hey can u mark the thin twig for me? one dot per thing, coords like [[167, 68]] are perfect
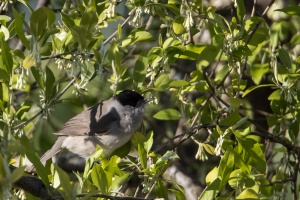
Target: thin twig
[[253, 8], [21, 125]]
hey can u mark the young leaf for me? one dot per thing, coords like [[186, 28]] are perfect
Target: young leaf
[[149, 141], [258, 71], [178, 83], [177, 26], [99, 179], [248, 194], [226, 167], [6, 56], [168, 114], [143, 156], [162, 81], [19, 29], [136, 37], [28, 62], [50, 80], [240, 9], [250, 89]]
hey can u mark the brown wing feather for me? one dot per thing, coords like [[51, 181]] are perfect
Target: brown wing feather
[[95, 120]]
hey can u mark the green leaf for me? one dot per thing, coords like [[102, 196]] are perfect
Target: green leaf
[[4, 76], [235, 178], [88, 23], [177, 25], [64, 182], [276, 95], [179, 194], [137, 138], [250, 89], [19, 28], [178, 83], [248, 194], [285, 58], [149, 141], [38, 78], [251, 23], [136, 37], [22, 112], [240, 163], [260, 35], [123, 150], [161, 190], [192, 51], [211, 191], [231, 119], [235, 102], [162, 81], [17, 173], [290, 10], [99, 179], [35, 160], [112, 166], [40, 20], [253, 150], [50, 80], [209, 149], [207, 56], [258, 71], [169, 155], [140, 71], [4, 30], [240, 9], [226, 167], [168, 114], [6, 56], [28, 62], [212, 175], [143, 156]]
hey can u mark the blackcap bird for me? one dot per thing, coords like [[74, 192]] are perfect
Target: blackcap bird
[[109, 124]]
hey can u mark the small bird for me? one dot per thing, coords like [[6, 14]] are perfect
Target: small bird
[[109, 124]]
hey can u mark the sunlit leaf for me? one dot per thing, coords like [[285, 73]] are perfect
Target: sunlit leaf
[[250, 89], [177, 26], [28, 62], [168, 114], [248, 194], [136, 37]]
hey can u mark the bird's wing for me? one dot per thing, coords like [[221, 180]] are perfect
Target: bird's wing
[[95, 120]]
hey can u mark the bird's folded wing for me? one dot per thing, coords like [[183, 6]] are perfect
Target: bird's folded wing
[[94, 120]]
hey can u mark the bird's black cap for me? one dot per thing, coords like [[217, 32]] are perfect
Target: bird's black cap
[[128, 97]]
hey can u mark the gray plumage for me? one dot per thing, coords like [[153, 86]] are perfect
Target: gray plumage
[[109, 124]]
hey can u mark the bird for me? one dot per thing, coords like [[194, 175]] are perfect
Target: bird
[[109, 124]]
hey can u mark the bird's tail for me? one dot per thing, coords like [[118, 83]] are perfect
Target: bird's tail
[[51, 152]]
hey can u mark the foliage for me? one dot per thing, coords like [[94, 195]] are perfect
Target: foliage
[[247, 69]]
